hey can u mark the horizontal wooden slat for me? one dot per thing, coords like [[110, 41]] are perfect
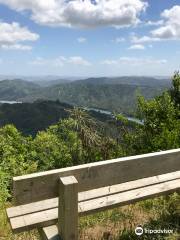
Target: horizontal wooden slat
[[41, 186], [87, 195], [48, 217], [128, 197], [49, 233], [34, 220], [32, 207]]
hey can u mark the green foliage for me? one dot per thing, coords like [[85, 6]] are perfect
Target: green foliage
[[114, 94], [114, 97], [66, 147], [50, 152], [161, 128], [78, 140], [4, 183], [29, 118], [86, 127], [16, 89], [15, 155], [122, 119], [175, 90]]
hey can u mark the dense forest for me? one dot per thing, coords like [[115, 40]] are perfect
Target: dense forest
[[113, 94], [77, 139], [29, 118]]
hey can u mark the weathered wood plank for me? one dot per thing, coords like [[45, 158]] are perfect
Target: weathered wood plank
[[68, 208], [49, 217], [32, 207], [41, 186], [128, 197], [34, 220], [49, 233], [95, 193]]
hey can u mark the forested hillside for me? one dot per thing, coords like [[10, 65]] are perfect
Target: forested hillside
[[12, 90], [29, 118], [120, 97], [134, 80], [113, 94]]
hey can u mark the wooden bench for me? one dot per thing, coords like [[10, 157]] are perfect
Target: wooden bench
[[52, 201]]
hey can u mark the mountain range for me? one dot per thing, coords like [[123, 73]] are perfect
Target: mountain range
[[114, 94]]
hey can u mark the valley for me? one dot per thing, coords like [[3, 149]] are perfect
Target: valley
[[112, 94]]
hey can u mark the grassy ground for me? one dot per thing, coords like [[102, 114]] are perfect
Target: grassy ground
[[120, 223]]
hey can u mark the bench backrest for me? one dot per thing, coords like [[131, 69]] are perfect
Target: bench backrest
[[44, 185]]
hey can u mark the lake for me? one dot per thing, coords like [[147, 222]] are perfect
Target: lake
[[132, 119], [86, 108], [9, 102]]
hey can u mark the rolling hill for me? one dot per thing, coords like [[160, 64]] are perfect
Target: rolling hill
[[30, 118], [134, 80], [13, 90], [113, 94], [113, 97]]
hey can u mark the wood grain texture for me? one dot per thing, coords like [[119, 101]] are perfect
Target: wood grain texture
[[49, 217], [91, 194], [68, 208], [49, 233], [41, 186]]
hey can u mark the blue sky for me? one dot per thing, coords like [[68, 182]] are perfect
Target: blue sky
[[90, 37]]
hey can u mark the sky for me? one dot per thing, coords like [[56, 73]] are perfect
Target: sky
[[89, 37]]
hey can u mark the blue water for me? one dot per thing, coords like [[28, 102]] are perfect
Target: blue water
[[132, 119], [9, 102]]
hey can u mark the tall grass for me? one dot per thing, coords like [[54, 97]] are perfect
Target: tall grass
[[119, 223]]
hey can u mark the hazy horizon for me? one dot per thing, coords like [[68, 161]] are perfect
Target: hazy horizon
[[3, 76]]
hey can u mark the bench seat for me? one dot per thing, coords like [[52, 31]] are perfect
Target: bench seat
[[49, 233], [45, 213]]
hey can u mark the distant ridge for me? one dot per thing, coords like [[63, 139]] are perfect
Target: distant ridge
[[138, 81], [114, 94], [12, 90]]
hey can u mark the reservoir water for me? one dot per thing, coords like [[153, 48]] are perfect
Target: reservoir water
[[132, 119], [9, 102], [86, 108]]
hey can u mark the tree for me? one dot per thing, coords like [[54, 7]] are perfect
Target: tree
[[161, 125], [59, 146], [15, 157], [175, 90], [85, 126]]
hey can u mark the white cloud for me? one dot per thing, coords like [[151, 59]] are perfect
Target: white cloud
[[137, 47], [39, 61], [11, 35], [16, 47], [56, 62], [170, 29], [81, 40], [118, 40], [154, 23], [61, 61], [81, 13], [144, 39], [133, 61], [77, 60], [109, 62]]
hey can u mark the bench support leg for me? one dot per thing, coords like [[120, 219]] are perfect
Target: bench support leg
[[68, 208]]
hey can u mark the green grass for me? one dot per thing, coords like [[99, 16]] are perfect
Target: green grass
[[119, 223]]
